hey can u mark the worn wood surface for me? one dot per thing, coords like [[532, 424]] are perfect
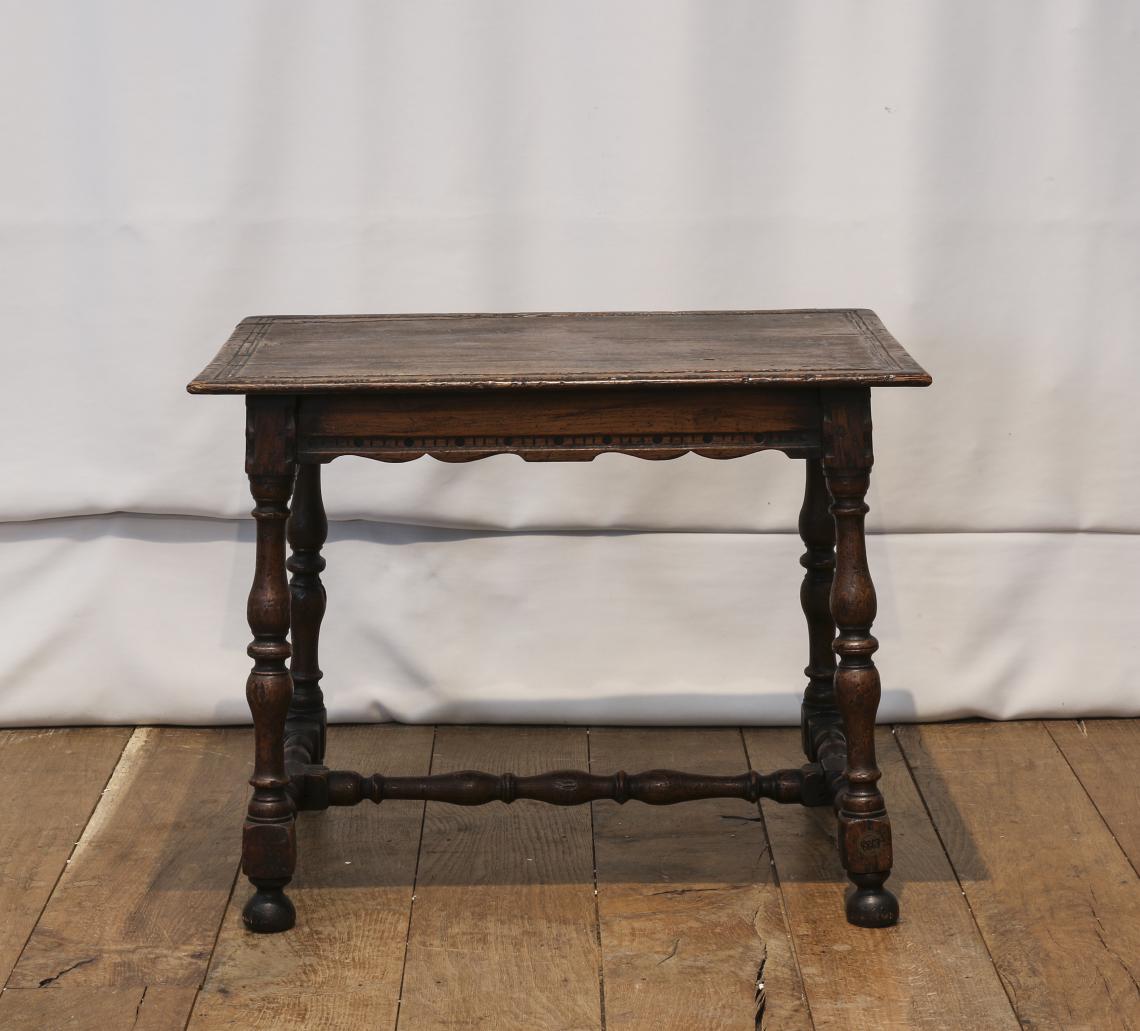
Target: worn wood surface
[[330, 353], [1053, 894], [96, 1009], [514, 943], [141, 900], [692, 928], [63, 771], [345, 958], [1105, 756], [503, 931], [931, 971]]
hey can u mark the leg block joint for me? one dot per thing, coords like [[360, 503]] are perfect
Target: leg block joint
[[269, 851], [865, 843]]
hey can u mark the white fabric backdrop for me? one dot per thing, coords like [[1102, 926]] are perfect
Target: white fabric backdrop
[[967, 169]]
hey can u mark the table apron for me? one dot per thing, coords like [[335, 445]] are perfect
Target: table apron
[[560, 424]]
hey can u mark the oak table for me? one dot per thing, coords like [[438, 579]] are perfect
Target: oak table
[[560, 387]]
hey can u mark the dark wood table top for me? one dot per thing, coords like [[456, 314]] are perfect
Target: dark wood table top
[[288, 354]]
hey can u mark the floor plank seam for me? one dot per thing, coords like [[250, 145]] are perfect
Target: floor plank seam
[[780, 895], [957, 879], [597, 899], [1092, 801], [214, 946], [70, 855], [415, 881]]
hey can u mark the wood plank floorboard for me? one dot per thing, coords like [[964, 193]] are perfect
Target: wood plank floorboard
[[1105, 756], [139, 905], [52, 782], [105, 1009], [931, 971], [1054, 895], [492, 921], [503, 932], [691, 919], [341, 966]]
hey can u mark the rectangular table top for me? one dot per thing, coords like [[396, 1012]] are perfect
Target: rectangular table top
[[285, 354]]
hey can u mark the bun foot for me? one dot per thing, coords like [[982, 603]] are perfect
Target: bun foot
[[870, 904], [268, 912]]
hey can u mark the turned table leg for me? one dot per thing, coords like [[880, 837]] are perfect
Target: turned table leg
[[819, 717], [268, 841], [308, 528], [864, 827]]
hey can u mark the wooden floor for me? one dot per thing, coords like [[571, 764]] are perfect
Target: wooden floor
[[1017, 847]]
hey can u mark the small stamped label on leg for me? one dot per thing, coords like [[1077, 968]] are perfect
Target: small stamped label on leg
[[865, 844]]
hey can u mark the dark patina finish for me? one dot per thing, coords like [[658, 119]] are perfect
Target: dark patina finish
[[560, 387]]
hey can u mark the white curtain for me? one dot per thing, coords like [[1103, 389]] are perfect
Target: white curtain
[[967, 169]]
